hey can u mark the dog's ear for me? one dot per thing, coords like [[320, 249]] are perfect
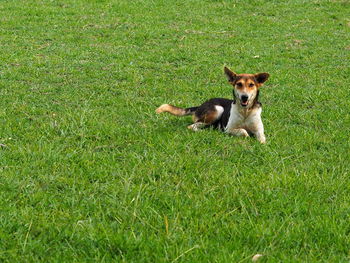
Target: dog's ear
[[261, 77], [231, 76]]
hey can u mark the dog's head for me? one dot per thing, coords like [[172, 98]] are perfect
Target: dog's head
[[246, 86]]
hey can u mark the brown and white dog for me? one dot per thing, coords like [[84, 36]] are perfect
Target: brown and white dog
[[240, 116]]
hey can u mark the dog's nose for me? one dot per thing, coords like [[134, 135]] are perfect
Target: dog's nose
[[244, 98]]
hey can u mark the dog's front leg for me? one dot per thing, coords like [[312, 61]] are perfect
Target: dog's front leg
[[259, 133], [238, 132], [260, 136]]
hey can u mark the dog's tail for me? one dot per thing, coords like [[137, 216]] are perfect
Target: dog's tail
[[176, 110]]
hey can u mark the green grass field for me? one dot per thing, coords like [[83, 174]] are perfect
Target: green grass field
[[89, 172]]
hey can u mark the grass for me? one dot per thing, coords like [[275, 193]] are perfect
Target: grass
[[90, 173]]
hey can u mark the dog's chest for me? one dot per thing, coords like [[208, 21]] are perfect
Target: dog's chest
[[243, 120]]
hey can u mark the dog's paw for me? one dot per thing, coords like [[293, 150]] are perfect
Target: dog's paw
[[195, 126], [238, 132], [243, 133], [262, 140]]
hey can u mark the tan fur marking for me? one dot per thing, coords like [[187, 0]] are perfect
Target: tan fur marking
[[245, 81], [210, 117]]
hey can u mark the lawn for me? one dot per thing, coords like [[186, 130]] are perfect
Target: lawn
[[89, 172]]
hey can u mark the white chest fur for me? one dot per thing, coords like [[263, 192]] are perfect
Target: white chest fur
[[250, 120]]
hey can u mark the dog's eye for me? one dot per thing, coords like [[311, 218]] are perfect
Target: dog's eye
[[251, 85], [239, 84]]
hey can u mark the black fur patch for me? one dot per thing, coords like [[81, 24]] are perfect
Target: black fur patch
[[209, 106]]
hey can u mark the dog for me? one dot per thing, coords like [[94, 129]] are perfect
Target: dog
[[240, 116]]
